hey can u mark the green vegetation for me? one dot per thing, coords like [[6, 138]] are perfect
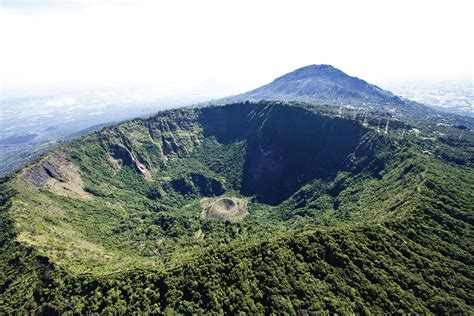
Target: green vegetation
[[339, 218]]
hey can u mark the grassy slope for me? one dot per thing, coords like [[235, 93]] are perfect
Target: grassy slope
[[419, 263]]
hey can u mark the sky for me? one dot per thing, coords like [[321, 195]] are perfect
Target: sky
[[228, 46]]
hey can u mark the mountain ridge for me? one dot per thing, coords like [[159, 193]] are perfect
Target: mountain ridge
[[256, 207], [324, 84]]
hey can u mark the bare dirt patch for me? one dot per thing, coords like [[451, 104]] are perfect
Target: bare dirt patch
[[231, 209], [58, 175]]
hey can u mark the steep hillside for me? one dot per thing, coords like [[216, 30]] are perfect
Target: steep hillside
[[253, 207]]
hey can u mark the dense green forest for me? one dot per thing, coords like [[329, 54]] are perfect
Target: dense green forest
[[336, 216]]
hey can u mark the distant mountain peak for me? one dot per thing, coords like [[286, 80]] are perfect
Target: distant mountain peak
[[315, 70], [318, 68], [321, 83], [322, 70]]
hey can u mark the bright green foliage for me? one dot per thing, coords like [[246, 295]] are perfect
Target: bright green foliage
[[340, 219]]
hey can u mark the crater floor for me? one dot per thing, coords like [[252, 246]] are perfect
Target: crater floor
[[224, 208]]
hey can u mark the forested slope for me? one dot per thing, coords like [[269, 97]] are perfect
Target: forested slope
[[340, 218]]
